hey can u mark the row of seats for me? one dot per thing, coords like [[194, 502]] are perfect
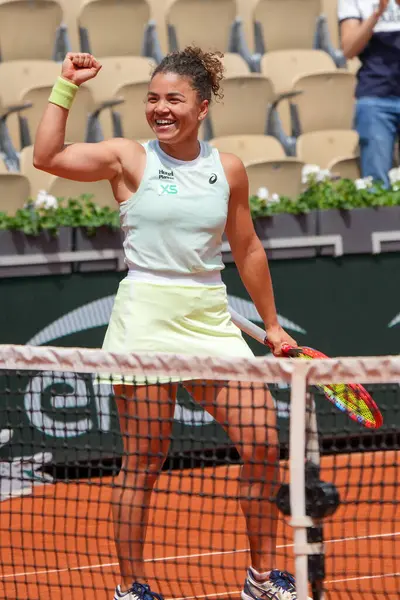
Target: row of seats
[[283, 106], [335, 150], [152, 27]]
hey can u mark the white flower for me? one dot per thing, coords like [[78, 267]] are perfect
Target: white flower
[[363, 184], [274, 198], [394, 175], [45, 200], [323, 175], [263, 193], [308, 172]]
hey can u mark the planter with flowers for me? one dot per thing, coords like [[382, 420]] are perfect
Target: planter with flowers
[[352, 209]]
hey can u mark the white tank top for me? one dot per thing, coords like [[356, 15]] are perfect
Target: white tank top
[[175, 221]]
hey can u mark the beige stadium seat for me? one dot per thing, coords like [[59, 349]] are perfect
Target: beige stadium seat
[[29, 28], [346, 167], [353, 65], [206, 23], [3, 168], [131, 113], [158, 12], [282, 67], [286, 24], [250, 148], [281, 177], [19, 76], [113, 28], [15, 192], [326, 101], [66, 189], [77, 119], [323, 147], [39, 180], [234, 65], [118, 71], [244, 108]]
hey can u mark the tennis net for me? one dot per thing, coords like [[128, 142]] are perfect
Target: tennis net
[[73, 489]]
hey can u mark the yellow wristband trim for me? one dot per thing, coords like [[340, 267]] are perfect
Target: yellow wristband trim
[[63, 93]]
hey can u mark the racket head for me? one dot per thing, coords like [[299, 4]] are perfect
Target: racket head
[[351, 398]]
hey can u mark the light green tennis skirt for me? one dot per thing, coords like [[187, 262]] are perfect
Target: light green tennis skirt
[[174, 318]]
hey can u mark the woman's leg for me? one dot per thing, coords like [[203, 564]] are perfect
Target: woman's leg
[[146, 416], [247, 413]]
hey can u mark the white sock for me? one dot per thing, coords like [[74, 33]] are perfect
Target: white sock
[[260, 576]]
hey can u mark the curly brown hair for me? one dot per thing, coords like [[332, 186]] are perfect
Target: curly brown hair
[[204, 69]]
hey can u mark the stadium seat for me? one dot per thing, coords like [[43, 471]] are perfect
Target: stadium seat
[[129, 119], [234, 65], [123, 28], [330, 9], [31, 29], [323, 147], [292, 24], [250, 148], [282, 67], [245, 9], [244, 108], [118, 71], [286, 24], [206, 23], [281, 177], [15, 192], [326, 101], [101, 190], [39, 180], [3, 168], [158, 12], [346, 168], [71, 10]]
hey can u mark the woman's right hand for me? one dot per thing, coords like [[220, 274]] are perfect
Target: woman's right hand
[[79, 67]]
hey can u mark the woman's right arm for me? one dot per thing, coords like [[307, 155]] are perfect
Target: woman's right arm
[[80, 162], [355, 34]]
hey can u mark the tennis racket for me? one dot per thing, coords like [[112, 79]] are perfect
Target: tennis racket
[[350, 398]]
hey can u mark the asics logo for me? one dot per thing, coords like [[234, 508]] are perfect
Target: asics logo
[[213, 178]]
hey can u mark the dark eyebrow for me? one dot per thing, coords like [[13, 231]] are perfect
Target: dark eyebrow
[[168, 95]]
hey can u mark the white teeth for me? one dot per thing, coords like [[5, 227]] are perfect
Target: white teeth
[[164, 122]]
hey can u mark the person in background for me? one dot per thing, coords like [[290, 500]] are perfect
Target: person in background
[[370, 30]]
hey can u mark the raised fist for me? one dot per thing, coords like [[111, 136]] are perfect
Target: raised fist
[[79, 67]]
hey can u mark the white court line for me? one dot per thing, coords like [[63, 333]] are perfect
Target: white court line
[[182, 556], [237, 592]]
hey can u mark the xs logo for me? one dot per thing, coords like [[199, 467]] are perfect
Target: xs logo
[[167, 188]]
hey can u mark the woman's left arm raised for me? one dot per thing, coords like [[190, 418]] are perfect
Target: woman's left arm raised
[[248, 252]]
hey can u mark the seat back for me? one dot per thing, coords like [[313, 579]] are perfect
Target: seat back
[[28, 28], [287, 24], [115, 27], [205, 23]]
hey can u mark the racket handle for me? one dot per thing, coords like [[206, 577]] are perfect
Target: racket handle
[[248, 327]]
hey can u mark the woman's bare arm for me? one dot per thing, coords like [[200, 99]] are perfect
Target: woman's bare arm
[[248, 252]]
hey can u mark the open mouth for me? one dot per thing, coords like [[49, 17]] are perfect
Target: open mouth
[[164, 124]]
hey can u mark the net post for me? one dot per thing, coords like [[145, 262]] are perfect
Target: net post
[[297, 436]]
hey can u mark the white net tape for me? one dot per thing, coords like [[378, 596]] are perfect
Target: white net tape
[[266, 369]]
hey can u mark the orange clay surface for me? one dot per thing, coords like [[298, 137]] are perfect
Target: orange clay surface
[[58, 542]]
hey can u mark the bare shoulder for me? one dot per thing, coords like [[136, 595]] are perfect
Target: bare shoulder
[[234, 168], [125, 148]]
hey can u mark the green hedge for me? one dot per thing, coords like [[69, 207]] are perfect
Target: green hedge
[[82, 212]]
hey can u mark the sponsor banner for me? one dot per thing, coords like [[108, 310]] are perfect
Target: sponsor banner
[[343, 307]]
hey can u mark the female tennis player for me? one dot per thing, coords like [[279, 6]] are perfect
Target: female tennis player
[[177, 196]]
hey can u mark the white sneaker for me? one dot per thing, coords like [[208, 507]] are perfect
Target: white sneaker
[[279, 586], [138, 591]]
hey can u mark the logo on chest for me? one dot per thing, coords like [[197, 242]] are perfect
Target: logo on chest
[[166, 175], [167, 189]]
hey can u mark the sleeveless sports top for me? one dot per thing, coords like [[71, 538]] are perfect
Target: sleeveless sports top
[[175, 220]]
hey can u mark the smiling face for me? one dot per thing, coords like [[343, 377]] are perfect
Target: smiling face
[[174, 110]]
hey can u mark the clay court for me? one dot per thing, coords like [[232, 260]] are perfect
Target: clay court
[[58, 542]]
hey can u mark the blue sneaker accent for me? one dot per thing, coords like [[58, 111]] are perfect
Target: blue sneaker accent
[[138, 591], [279, 586]]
